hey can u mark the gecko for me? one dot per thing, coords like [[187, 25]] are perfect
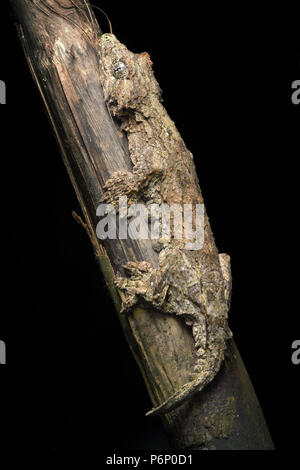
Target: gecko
[[194, 285]]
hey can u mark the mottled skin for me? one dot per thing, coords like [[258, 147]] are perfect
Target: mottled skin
[[162, 166], [194, 285]]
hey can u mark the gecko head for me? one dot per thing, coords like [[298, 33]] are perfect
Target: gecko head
[[128, 80]]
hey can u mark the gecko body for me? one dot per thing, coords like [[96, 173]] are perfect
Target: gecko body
[[194, 285]]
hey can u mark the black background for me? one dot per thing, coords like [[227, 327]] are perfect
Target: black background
[[70, 380]]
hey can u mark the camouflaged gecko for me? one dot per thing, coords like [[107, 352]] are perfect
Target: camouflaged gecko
[[194, 285]]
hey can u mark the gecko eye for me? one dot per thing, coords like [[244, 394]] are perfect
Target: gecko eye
[[120, 70]]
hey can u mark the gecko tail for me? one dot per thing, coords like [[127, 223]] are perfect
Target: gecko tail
[[186, 391], [176, 399]]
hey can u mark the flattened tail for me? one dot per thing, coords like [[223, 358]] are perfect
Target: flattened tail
[[187, 390], [175, 400]]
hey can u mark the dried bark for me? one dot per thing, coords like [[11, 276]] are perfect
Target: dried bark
[[60, 43]]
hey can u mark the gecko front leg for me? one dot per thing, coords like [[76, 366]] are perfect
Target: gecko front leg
[[131, 184], [143, 283], [122, 183]]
